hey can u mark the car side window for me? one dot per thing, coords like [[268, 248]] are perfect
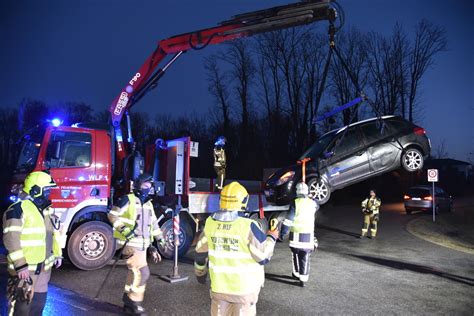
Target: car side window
[[68, 150], [374, 131], [346, 142]]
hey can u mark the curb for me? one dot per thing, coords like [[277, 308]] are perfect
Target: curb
[[441, 233]]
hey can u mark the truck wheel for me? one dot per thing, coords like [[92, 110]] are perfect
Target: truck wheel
[[319, 190], [261, 222], [91, 245], [186, 236]]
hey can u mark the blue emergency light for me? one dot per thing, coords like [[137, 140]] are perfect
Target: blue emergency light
[[56, 122]]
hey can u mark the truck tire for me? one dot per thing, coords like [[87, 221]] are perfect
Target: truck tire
[[186, 236], [262, 222], [91, 245]]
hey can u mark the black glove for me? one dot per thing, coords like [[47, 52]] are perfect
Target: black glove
[[154, 254], [376, 217]]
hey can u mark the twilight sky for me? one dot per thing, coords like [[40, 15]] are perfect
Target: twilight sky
[[87, 50]]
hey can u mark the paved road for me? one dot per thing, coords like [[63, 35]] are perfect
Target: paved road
[[396, 273]]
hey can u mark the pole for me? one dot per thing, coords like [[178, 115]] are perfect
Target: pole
[[175, 277], [434, 203]]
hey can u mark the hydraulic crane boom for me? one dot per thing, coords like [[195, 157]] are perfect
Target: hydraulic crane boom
[[242, 25]]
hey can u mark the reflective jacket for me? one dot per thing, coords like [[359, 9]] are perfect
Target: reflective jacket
[[236, 252], [372, 205], [219, 157], [302, 228], [30, 236], [138, 217]]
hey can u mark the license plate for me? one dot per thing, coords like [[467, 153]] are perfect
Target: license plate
[[416, 199]]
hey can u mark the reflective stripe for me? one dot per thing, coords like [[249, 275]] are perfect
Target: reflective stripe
[[118, 223], [33, 230], [31, 267], [15, 255], [241, 269], [12, 229], [199, 267], [32, 243], [115, 213], [229, 254]]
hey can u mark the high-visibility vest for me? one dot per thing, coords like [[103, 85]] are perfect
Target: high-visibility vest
[[129, 218], [33, 238], [305, 208], [231, 267]]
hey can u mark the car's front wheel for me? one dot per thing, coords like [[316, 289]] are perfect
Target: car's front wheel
[[412, 160], [319, 190]]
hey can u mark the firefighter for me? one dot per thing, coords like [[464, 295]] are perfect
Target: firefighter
[[31, 237], [220, 161], [370, 209], [135, 225], [235, 249], [300, 223]]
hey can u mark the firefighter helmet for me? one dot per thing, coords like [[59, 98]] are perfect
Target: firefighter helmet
[[144, 177], [302, 189], [36, 182], [234, 197], [220, 141]]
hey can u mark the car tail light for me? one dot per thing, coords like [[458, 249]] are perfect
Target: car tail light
[[428, 198], [406, 197], [419, 131]]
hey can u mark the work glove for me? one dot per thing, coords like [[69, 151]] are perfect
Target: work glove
[[58, 262], [274, 232], [155, 255], [127, 232], [376, 217]]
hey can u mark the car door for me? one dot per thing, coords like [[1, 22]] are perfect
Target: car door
[[382, 148], [349, 160]]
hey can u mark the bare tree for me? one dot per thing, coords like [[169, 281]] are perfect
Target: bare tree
[[218, 88], [441, 150], [429, 41]]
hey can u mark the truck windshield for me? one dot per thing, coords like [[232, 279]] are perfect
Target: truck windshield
[[319, 146], [28, 155]]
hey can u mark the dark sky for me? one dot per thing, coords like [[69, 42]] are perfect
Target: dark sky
[[87, 50]]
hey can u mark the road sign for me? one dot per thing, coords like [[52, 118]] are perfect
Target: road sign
[[432, 175]]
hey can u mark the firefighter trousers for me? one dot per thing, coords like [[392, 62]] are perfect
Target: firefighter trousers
[[300, 259], [370, 221], [138, 273], [233, 305], [40, 286], [220, 171]]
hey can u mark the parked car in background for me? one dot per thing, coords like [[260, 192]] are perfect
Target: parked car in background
[[352, 154], [420, 198]]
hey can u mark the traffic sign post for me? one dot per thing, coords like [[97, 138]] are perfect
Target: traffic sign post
[[433, 177]]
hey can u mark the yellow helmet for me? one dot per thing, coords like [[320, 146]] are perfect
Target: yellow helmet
[[36, 181], [234, 197]]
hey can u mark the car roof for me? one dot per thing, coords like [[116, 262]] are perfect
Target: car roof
[[340, 129], [427, 187]]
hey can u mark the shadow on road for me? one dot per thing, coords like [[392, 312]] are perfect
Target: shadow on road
[[340, 231], [416, 268], [285, 279]]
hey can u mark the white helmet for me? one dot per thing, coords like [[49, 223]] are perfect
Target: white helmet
[[302, 189]]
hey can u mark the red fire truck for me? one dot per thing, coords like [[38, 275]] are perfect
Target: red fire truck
[[92, 164]]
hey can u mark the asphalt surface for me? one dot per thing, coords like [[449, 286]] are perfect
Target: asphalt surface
[[395, 273]]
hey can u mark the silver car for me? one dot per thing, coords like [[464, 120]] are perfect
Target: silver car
[[351, 154], [420, 198]]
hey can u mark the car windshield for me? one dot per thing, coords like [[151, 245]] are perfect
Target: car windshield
[[319, 146], [30, 148]]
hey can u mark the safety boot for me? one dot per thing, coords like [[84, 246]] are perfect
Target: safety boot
[[132, 308], [302, 284]]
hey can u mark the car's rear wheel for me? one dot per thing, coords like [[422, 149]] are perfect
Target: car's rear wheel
[[319, 190], [412, 160]]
